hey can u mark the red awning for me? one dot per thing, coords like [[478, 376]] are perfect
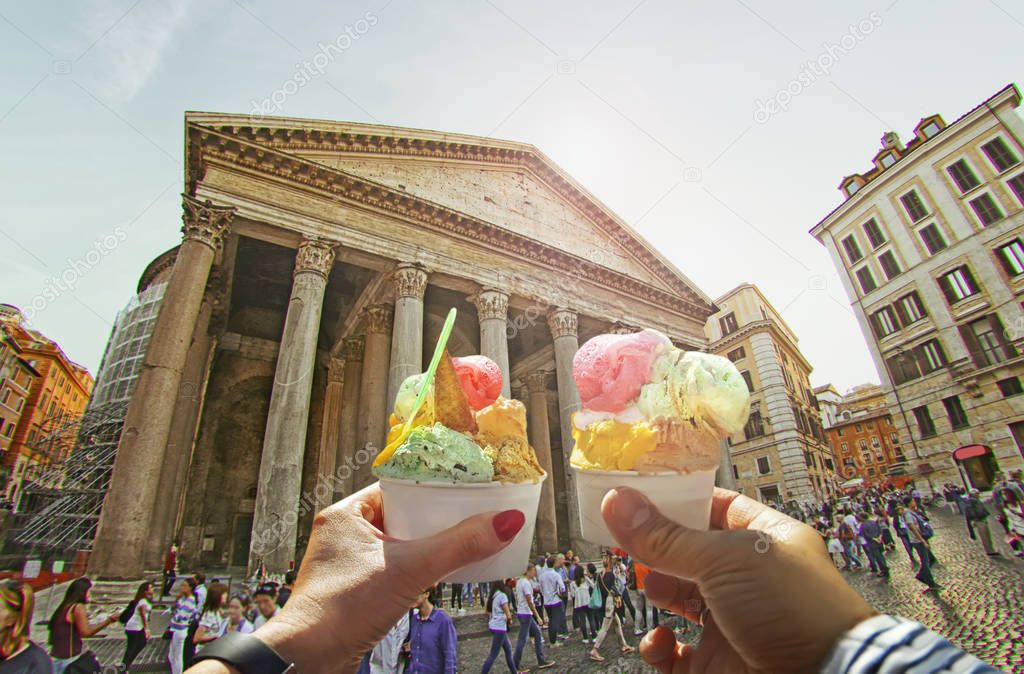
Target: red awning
[[969, 452]]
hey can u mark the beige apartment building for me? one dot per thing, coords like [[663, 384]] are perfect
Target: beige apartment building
[[782, 454], [928, 243]]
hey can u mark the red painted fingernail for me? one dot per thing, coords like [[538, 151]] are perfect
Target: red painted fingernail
[[507, 524]]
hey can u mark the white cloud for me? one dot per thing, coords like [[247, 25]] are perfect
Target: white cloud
[[128, 39]]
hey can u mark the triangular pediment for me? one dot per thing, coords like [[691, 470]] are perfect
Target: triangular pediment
[[511, 186]]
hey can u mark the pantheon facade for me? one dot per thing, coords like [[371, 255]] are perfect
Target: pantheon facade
[[317, 264]]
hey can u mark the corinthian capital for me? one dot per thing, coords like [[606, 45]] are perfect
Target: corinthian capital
[[378, 319], [204, 222], [410, 281], [536, 381], [491, 303], [563, 323], [336, 371], [353, 349], [315, 256]]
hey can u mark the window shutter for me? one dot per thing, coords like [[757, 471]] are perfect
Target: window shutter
[[970, 279], [876, 326], [1009, 351], [1001, 255], [947, 289], [901, 312], [973, 347]]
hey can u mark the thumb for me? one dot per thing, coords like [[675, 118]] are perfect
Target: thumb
[[471, 540], [660, 543]]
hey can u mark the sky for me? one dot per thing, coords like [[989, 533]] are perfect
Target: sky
[[718, 130]]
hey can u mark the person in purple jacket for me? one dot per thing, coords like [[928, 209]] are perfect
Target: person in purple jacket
[[432, 640]]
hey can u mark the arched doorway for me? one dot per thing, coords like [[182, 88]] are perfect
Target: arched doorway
[[977, 465]]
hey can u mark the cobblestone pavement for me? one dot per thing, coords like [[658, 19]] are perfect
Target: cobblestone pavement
[[980, 608]]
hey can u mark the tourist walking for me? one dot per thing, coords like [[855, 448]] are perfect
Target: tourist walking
[[611, 617], [69, 624], [579, 592], [529, 619], [500, 617], [834, 547], [432, 640], [872, 535], [977, 515], [170, 569], [237, 620], [136, 625], [551, 588], [919, 531], [640, 573], [847, 536], [18, 655], [266, 604], [182, 614], [213, 621], [1013, 511]]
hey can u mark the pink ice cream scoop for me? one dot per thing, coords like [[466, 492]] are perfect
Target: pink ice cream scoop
[[480, 378], [610, 369]]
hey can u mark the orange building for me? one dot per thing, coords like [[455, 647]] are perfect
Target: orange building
[[867, 446], [45, 430], [16, 377]]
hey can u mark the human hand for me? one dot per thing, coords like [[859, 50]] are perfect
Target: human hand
[[355, 581], [767, 593]]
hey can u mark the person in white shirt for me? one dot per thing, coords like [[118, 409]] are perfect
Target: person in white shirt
[[529, 619], [266, 602], [237, 622], [136, 630], [501, 615], [551, 589], [385, 658], [213, 622], [579, 590]]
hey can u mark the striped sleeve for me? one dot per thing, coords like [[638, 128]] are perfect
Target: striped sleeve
[[888, 645]]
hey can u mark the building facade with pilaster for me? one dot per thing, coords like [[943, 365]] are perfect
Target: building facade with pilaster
[[929, 244]]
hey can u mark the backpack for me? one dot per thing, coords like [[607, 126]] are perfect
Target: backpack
[[975, 510], [595, 596], [128, 612], [845, 532]]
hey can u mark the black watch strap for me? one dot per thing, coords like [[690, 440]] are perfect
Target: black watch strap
[[245, 653]]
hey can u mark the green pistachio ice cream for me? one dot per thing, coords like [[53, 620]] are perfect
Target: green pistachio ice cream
[[437, 454]]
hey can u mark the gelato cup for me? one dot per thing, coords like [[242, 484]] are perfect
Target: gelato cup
[[684, 498], [415, 509]]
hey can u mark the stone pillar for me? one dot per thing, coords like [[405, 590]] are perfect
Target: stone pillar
[[492, 312], [373, 391], [349, 423], [119, 547], [330, 436], [407, 336], [563, 324], [540, 439], [275, 520]]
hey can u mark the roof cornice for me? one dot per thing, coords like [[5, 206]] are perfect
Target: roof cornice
[[244, 148]]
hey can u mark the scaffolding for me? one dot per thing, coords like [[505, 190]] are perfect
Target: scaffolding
[[60, 509]]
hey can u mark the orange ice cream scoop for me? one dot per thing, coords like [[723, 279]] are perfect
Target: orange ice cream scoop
[[612, 445], [502, 418]]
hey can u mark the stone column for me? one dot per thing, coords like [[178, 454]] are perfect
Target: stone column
[[345, 461], [540, 439], [407, 336], [275, 519], [373, 402], [330, 436], [492, 312], [118, 550], [563, 324]]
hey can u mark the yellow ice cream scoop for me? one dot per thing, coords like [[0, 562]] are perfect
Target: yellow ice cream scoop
[[612, 445]]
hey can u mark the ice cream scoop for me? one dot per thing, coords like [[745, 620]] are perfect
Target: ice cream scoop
[[502, 434], [610, 369], [405, 400], [480, 378], [437, 454]]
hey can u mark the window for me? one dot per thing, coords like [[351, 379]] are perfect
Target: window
[[986, 209], [874, 233], [754, 427], [903, 367], [925, 425], [913, 205], [1016, 183], [808, 459], [735, 471], [875, 444], [728, 324], [857, 429], [986, 341], [930, 356], [930, 129], [871, 471], [884, 322], [1011, 256], [932, 238], [852, 188], [737, 354], [955, 411], [845, 448], [888, 160], [799, 419], [958, 284], [866, 279], [910, 309], [1010, 387], [763, 466], [999, 153], [853, 253], [749, 381], [963, 176], [890, 266]]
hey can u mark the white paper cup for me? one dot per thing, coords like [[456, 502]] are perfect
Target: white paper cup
[[682, 497], [420, 509]]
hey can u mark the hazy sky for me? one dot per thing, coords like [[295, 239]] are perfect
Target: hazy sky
[[719, 130]]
